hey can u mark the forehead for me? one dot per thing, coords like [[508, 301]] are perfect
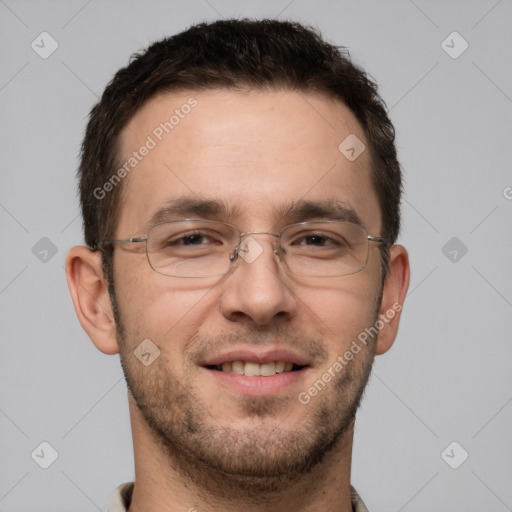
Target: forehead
[[256, 152]]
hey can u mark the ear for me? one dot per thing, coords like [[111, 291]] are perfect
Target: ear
[[89, 291], [393, 296]]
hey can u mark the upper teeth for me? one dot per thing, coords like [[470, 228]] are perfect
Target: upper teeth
[[251, 369]]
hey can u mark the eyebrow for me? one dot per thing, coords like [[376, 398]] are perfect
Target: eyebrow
[[192, 207], [324, 209], [217, 209]]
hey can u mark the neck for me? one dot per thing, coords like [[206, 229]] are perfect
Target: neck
[[167, 482]]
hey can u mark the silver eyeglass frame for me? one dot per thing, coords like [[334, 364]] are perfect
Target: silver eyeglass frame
[[237, 249]]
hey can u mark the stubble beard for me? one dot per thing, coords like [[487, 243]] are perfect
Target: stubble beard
[[230, 462]]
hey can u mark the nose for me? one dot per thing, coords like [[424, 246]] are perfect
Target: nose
[[256, 290]]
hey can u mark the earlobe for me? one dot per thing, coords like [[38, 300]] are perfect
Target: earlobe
[[89, 292], [393, 296]]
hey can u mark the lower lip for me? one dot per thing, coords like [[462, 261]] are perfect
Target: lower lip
[[258, 385]]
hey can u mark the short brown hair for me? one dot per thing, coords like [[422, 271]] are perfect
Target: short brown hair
[[232, 54]]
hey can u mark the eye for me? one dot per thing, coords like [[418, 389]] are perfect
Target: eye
[[196, 238], [315, 239]]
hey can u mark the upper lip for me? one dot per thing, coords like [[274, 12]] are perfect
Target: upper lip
[[256, 356]]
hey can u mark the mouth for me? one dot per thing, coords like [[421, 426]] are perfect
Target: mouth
[[255, 372], [255, 369]]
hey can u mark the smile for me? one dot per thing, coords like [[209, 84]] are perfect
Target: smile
[[254, 369]]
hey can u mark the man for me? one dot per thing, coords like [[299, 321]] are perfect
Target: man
[[240, 192]]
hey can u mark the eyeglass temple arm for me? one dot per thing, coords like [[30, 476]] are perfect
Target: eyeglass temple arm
[[135, 239], [379, 239]]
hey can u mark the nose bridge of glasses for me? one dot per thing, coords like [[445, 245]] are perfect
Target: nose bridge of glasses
[[248, 233], [250, 249], [245, 237]]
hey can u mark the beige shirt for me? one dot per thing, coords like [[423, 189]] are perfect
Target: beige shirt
[[123, 497]]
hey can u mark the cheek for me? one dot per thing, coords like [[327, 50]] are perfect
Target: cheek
[[340, 312], [160, 308]]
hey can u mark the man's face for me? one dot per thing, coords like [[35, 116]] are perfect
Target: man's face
[[257, 153]]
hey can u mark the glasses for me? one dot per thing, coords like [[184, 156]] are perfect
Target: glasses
[[205, 248]]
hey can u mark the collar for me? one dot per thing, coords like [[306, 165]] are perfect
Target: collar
[[123, 497]]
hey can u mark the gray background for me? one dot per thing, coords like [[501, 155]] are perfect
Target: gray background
[[448, 376]]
